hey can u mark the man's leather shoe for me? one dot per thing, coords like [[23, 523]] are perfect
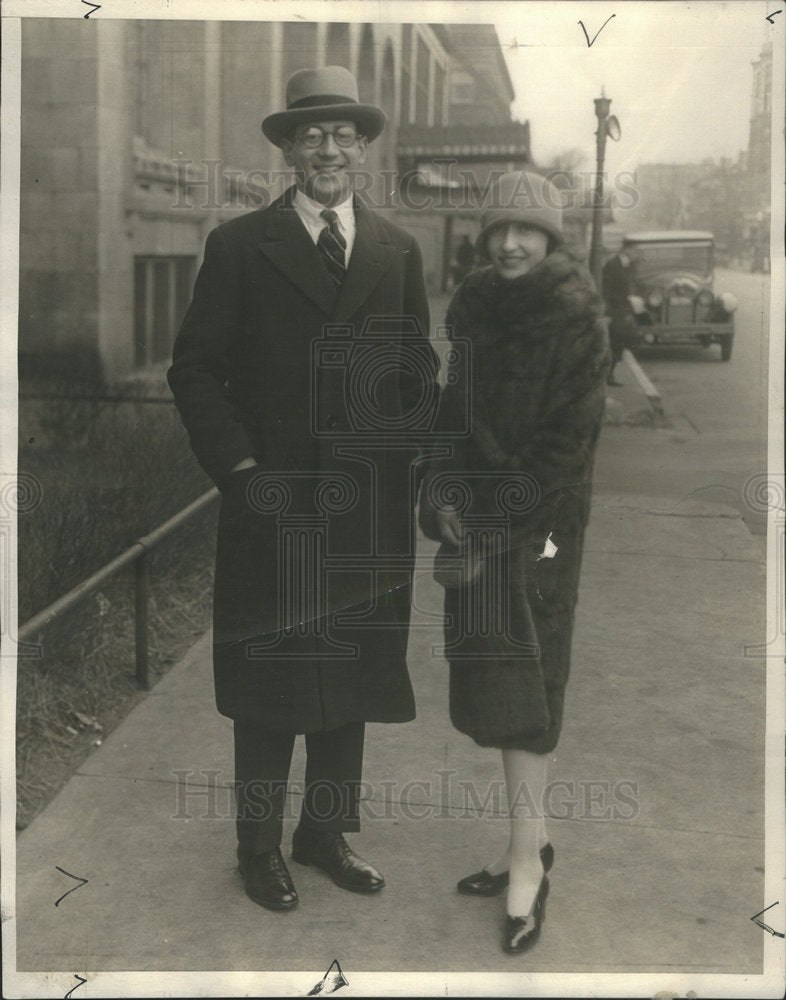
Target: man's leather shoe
[[330, 852], [267, 879]]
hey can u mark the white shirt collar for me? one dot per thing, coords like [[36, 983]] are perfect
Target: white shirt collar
[[310, 214], [311, 211]]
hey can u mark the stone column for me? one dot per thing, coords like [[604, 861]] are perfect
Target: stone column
[[211, 111], [431, 85], [114, 176], [322, 33], [276, 65]]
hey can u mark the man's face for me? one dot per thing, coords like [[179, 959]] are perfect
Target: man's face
[[324, 171]]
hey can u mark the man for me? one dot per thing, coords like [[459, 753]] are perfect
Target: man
[[298, 367], [465, 258], [616, 280]]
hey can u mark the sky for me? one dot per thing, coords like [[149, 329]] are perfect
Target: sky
[[679, 75]]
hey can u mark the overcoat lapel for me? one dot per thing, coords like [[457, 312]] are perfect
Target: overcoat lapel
[[372, 255], [288, 246]]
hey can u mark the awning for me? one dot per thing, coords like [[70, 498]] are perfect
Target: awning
[[464, 142]]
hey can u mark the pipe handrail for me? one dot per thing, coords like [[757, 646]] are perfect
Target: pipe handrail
[[135, 553]]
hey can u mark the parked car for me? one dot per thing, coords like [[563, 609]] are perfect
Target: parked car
[[674, 301]]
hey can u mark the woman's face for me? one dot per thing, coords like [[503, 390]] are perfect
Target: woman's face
[[515, 248]]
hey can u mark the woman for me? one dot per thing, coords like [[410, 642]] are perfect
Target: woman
[[510, 506]]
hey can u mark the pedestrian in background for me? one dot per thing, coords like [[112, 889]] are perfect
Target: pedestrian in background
[[617, 288], [465, 260], [535, 366]]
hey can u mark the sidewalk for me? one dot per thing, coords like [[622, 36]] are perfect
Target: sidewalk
[[656, 793]]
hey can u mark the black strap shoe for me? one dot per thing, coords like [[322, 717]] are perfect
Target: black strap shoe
[[330, 852], [521, 933], [267, 879], [483, 883]]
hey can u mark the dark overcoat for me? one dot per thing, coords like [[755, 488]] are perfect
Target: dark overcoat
[[316, 544], [530, 389], [616, 284]]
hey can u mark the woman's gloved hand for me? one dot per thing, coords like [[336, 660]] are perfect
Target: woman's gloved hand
[[449, 524]]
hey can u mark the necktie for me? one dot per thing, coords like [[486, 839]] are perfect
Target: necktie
[[332, 246]]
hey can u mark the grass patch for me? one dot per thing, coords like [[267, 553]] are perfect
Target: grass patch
[[105, 473]]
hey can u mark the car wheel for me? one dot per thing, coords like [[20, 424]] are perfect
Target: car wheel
[[726, 345]]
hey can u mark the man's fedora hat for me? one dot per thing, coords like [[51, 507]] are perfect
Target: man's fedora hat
[[330, 92]]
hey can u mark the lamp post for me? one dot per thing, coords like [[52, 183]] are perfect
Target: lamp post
[[607, 126]]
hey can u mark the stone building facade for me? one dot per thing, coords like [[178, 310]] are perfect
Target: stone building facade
[[138, 137]]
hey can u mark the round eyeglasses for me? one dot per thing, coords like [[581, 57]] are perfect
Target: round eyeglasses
[[314, 136]]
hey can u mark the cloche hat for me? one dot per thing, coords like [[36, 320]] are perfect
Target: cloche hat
[[525, 197], [329, 92]]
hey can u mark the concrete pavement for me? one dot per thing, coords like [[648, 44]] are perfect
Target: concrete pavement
[[655, 800]]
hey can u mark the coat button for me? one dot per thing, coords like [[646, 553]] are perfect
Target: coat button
[[330, 421]]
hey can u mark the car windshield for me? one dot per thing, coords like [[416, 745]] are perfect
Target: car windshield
[[695, 258]]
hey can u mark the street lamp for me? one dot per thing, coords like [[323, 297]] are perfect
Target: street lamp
[[607, 126]]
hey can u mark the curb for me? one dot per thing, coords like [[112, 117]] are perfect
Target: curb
[[649, 390]]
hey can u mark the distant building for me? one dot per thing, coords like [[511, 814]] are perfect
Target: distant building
[[713, 203], [446, 168], [662, 194], [731, 198], [755, 188], [481, 91]]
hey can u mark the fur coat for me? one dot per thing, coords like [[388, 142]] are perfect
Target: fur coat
[[519, 421]]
